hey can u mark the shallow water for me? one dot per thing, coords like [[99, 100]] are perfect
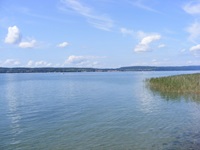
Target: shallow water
[[97, 111]]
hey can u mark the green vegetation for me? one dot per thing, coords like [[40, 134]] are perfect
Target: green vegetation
[[189, 83], [177, 87]]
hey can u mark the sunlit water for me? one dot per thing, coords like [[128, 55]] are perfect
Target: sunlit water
[[94, 111]]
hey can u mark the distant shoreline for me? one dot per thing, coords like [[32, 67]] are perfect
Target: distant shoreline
[[74, 69]]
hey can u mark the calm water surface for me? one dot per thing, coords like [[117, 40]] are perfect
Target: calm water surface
[[94, 111]]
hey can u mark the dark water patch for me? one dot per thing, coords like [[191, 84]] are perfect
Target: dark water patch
[[174, 96], [186, 141]]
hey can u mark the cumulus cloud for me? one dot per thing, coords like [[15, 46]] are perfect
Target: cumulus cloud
[[194, 31], [144, 44], [13, 36], [141, 48], [62, 45], [147, 40], [29, 44], [82, 61], [41, 63], [76, 59], [195, 48], [30, 63], [99, 21], [192, 7], [10, 63]]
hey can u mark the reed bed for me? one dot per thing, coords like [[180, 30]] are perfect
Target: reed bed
[[189, 83]]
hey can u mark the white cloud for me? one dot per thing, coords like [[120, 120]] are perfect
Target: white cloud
[[192, 7], [30, 63], [99, 21], [195, 48], [147, 40], [13, 35], [141, 48], [82, 61], [76, 59], [10, 63], [126, 31], [144, 44], [194, 31], [62, 45], [29, 44], [41, 63]]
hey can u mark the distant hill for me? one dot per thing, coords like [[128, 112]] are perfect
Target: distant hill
[[130, 68], [156, 68]]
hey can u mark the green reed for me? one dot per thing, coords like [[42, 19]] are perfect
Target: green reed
[[189, 83]]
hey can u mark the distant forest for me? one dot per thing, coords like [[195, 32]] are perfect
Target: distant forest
[[131, 68]]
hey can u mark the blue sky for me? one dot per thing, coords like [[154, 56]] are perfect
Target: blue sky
[[99, 33]]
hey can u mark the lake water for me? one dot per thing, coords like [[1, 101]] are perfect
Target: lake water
[[94, 111]]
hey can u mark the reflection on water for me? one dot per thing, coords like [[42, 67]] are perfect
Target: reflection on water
[[175, 96], [13, 113]]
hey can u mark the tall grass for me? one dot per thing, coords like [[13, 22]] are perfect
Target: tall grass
[[189, 83], [177, 87]]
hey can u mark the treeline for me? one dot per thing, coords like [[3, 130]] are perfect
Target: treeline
[[156, 68], [44, 70], [131, 68]]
